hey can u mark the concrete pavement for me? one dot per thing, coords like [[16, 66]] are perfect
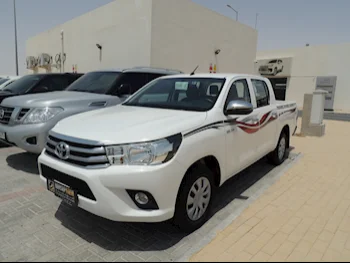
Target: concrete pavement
[[304, 216]]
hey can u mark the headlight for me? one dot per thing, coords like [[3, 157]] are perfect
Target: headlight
[[41, 115], [149, 153]]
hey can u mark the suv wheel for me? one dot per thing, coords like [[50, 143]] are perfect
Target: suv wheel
[[194, 200]]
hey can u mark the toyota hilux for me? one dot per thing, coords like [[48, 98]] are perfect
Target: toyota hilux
[[162, 153]]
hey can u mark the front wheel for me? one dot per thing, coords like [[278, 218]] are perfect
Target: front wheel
[[278, 156], [194, 200]]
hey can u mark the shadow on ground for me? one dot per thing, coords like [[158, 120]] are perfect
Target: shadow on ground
[[25, 162], [113, 236]]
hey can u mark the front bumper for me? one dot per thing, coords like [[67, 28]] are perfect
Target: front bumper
[[109, 187], [19, 134]]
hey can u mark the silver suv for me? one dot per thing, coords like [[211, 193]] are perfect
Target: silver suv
[[26, 120]]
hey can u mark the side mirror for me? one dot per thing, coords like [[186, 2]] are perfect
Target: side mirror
[[239, 107], [41, 89], [124, 90]]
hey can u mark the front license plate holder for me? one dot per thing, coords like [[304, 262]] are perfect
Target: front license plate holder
[[68, 195]]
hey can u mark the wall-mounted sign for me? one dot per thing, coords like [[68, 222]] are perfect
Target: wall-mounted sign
[[274, 67]]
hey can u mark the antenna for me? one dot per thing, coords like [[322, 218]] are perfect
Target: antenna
[[194, 71]]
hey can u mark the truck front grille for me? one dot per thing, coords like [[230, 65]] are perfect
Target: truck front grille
[[5, 114], [84, 155]]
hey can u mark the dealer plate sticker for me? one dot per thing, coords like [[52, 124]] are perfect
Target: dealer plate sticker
[[68, 195]]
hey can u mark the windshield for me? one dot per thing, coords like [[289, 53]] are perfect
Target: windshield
[[273, 61], [23, 84], [94, 82], [191, 94], [2, 81]]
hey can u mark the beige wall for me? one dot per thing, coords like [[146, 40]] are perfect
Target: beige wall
[[160, 33], [310, 62], [185, 34], [122, 27]]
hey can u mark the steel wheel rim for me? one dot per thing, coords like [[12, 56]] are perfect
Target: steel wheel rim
[[282, 148], [198, 199]]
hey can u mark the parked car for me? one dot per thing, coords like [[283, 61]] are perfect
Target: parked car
[[29, 118], [162, 153], [272, 68], [5, 81], [38, 83]]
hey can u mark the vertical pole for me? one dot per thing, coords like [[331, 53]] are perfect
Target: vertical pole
[[62, 53], [256, 21], [16, 46]]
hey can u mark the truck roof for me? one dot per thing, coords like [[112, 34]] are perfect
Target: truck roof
[[144, 69], [218, 76]]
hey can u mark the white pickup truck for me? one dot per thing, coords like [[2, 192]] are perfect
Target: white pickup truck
[[162, 154]]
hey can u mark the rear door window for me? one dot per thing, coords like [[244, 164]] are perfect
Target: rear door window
[[261, 93]]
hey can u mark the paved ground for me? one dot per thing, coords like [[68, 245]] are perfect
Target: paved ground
[[305, 216], [35, 226]]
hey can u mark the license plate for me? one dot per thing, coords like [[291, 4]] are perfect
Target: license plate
[[2, 136], [68, 195]]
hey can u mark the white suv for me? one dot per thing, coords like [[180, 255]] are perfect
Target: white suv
[[162, 153]]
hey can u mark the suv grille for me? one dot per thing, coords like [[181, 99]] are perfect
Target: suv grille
[[85, 155], [5, 119], [22, 113]]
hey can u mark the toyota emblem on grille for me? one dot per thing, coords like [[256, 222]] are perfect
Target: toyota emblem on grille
[[2, 114], [62, 151]]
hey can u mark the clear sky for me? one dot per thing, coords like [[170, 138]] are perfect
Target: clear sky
[[281, 23]]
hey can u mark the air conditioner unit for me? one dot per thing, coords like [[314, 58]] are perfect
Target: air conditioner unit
[[31, 62], [45, 60]]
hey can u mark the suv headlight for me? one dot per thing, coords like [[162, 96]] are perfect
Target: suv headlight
[[148, 153], [41, 115]]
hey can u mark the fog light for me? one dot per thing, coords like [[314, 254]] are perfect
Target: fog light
[[141, 198]]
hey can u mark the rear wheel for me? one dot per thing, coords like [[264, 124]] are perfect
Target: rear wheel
[[278, 156], [194, 200]]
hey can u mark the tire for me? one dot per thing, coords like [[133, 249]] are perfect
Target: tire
[[279, 155], [182, 220]]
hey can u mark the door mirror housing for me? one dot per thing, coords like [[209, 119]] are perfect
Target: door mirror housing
[[238, 107]]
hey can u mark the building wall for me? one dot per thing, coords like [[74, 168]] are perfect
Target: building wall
[[185, 34], [123, 28], [311, 62], [160, 33]]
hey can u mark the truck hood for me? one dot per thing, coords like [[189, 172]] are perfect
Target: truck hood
[[52, 99], [125, 124]]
